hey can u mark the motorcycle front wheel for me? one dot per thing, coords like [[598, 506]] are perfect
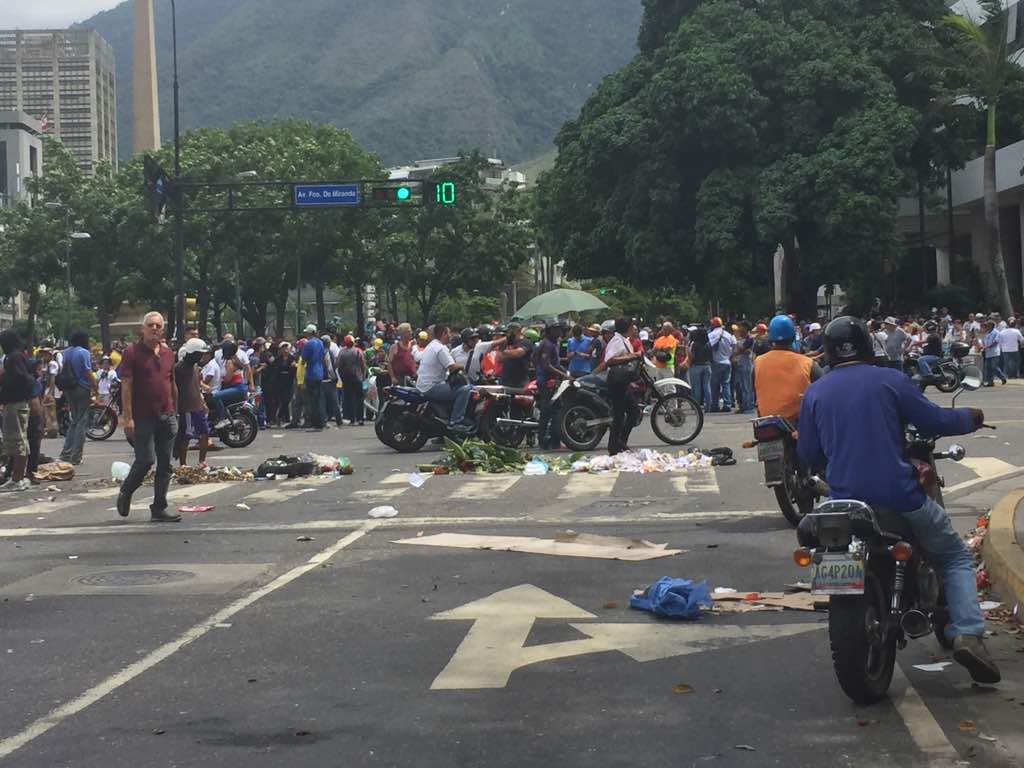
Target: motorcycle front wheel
[[242, 430], [948, 381], [863, 652], [102, 422], [575, 431], [677, 419], [395, 436]]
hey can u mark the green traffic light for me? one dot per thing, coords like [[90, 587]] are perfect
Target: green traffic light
[[603, 291], [403, 193]]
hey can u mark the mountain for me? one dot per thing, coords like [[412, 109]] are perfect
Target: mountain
[[409, 78]]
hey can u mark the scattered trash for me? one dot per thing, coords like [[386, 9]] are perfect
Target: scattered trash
[[982, 579], [196, 509], [937, 667], [119, 471], [38, 641], [984, 437], [745, 747], [52, 488], [326, 465], [54, 471], [222, 625], [968, 725], [383, 512], [682, 688], [72, 557], [243, 506], [986, 737], [159, 731], [989, 605], [738, 602], [724, 591], [610, 605], [288, 466], [277, 437], [568, 544], [416, 480], [673, 598], [798, 586], [304, 538], [200, 475], [536, 466]]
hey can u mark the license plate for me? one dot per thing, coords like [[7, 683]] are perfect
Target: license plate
[[838, 574], [773, 449]]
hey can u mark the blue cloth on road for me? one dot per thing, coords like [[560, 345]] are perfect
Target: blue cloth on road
[[856, 417], [674, 598]]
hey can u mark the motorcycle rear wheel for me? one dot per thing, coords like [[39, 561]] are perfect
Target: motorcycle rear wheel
[[392, 435], [505, 435], [793, 504], [242, 430], [576, 434], [102, 422], [863, 653], [948, 382]]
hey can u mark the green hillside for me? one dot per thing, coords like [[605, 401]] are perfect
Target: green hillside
[[409, 78]]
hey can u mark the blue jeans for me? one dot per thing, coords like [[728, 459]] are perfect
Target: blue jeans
[[721, 386], [1011, 364], [78, 399], [597, 379], [700, 380], [925, 363], [222, 398], [993, 369], [947, 553], [459, 398], [745, 384]]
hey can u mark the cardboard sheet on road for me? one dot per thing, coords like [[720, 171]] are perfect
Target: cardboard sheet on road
[[567, 544], [741, 602]]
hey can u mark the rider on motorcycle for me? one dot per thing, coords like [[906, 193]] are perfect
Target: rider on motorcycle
[[436, 363], [931, 348], [855, 420], [781, 375]]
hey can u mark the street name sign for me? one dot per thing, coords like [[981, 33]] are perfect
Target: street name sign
[[326, 195]]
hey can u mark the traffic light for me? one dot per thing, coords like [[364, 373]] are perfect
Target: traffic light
[[395, 193], [442, 193], [191, 309], [608, 291]]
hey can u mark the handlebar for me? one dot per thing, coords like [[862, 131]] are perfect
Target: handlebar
[[988, 426]]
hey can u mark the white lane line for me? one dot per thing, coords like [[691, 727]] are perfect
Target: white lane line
[[700, 480], [377, 494], [45, 507], [987, 466], [402, 478], [586, 484], [980, 482], [923, 728], [150, 660], [484, 488], [398, 522], [187, 493]]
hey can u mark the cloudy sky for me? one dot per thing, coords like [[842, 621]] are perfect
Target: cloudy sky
[[51, 13]]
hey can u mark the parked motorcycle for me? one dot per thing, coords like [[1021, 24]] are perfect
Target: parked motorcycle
[[947, 373], [882, 589], [103, 418], [586, 411], [243, 425], [797, 490], [508, 416]]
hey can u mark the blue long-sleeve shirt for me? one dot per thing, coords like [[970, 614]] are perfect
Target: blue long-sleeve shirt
[[854, 419]]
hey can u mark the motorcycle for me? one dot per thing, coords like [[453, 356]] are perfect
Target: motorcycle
[[243, 425], [797, 490], [408, 419], [882, 589], [586, 412], [947, 373], [509, 416], [103, 418]]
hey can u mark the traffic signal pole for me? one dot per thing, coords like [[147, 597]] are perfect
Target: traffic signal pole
[[179, 197]]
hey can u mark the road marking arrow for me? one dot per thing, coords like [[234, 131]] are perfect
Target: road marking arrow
[[495, 646]]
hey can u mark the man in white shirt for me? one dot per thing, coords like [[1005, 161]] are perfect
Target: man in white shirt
[[463, 353], [212, 374], [435, 363], [722, 345], [240, 356], [476, 359], [1010, 341]]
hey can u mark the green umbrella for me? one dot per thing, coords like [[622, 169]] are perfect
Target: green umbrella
[[560, 301]]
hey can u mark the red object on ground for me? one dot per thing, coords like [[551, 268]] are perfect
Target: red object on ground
[[195, 509]]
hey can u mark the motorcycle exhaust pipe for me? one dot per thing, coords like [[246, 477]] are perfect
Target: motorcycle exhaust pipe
[[606, 421], [519, 423], [915, 623]]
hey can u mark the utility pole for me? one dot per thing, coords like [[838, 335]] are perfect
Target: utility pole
[[179, 196]]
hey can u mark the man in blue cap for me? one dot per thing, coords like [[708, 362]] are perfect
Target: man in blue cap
[[781, 375]]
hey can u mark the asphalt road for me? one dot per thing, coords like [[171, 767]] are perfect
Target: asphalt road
[[225, 640]]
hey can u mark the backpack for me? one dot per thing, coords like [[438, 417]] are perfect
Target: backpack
[[66, 379]]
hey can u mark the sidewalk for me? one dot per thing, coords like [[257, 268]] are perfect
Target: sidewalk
[[1003, 551]]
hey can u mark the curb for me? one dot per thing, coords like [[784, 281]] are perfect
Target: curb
[[1004, 557]]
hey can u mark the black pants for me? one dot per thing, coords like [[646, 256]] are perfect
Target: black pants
[[154, 440], [35, 440], [353, 395], [314, 411], [624, 407], [548, 435], [283, 401]]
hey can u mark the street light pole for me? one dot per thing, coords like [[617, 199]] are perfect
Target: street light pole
[[179, 198], [67, 269]]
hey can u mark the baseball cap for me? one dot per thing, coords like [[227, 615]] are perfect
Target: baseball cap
[[310, 328], [607, 325], [890, 320], [814, 327], [423, 335], [716, 322], [644, 335], [594, 328], [378, 342]]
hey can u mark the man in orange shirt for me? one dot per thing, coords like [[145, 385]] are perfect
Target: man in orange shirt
[[665, 347], [781, 375]]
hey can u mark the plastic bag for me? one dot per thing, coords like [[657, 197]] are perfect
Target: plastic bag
[[536, 467], [379, 512], [673, 598], [119, 471]]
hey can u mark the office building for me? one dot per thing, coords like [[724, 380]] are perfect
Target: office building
[[21, 154], [65, 79]]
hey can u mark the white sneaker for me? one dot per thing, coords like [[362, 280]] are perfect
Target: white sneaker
[[222, 424], [16, 485]]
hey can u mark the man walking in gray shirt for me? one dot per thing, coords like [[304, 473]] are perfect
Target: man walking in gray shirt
[[895, 342]]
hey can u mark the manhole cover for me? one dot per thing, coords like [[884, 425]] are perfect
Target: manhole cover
[[132, 578]]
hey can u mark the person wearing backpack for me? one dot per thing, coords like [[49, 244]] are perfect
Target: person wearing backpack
[[78, 383]]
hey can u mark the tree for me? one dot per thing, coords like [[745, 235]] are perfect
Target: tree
[[740, 126], [988, 68]]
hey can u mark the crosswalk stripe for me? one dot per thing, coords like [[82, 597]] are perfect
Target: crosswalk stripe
[[700, 480], [46, 507], [402, 478], [987, 466], [377, 494], [482, 488], [586, 484], [187, 493]]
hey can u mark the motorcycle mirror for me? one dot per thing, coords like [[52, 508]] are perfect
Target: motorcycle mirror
[[972, 378], [956, 452]]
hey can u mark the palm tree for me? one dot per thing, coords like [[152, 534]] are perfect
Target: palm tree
[[987, 67]]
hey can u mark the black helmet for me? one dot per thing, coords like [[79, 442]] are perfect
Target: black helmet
[[931, 326], [469, 333], [485, 332], [848, 339]]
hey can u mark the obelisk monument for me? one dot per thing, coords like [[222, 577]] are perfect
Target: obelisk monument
[[145, 106]]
